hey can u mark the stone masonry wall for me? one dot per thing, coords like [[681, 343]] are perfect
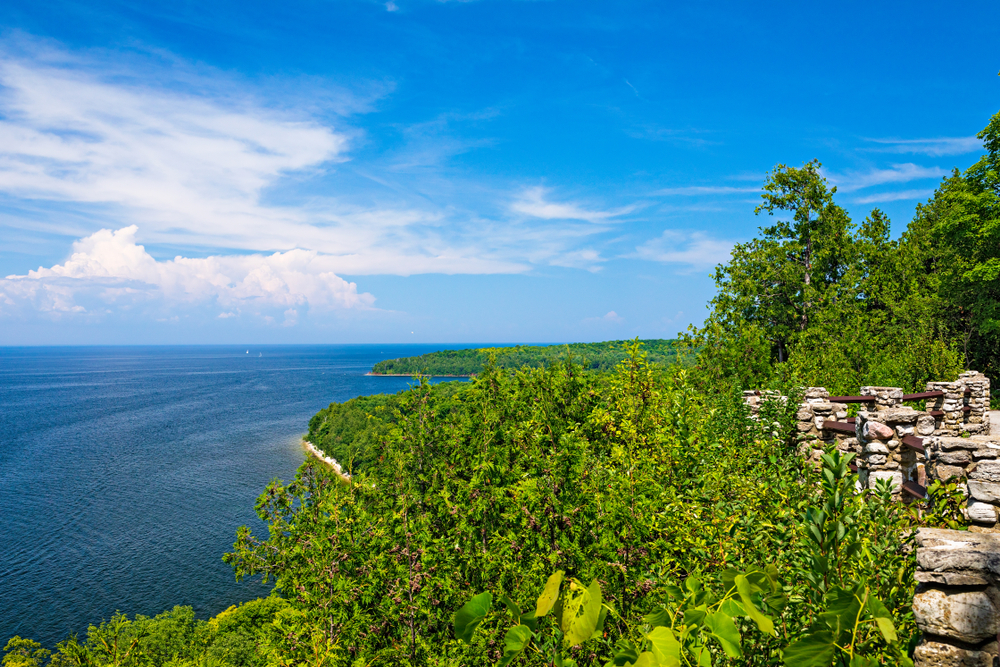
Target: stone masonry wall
[[956, 420], [974, 464], [883, 455], [957, 599]]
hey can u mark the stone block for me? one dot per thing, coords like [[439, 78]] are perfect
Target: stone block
[[925, 425], [987, 492], [984, 454], [804, 414], [941, 550], [816, 392], [876, 459], [951, 578], [982, 513], [873, 430], [968, 616], [936, 654], [949, 443], [944, 473], [875, 448], [987, 470], [958, 457]]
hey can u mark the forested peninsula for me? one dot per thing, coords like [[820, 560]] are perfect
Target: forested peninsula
[[467, 363], [637, 515]]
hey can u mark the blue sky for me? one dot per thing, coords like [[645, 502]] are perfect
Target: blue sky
[[424, 171]]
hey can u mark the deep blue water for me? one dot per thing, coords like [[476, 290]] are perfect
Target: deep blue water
[[125, 471]]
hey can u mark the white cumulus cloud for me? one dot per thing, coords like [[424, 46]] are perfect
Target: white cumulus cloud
[[110, 268]]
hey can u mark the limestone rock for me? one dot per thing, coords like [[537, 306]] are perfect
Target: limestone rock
[[986, 470], [950, 578], [877, 431], [925, 425], [944, 473], [981, 512], [958, 457], [968, 616], [875, 448], [935, 654], [940, 549], [987, 492]]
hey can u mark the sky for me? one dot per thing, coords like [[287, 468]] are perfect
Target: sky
[[425, 171]]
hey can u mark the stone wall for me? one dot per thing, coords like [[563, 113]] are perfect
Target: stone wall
[[957, 599], [956, 420], [883, 455], [814, 411], [974, 464]]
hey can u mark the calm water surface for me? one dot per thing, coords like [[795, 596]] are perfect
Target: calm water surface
[[125, 471]]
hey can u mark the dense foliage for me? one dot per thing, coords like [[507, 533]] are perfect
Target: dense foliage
[[593, 356], [841, 305]]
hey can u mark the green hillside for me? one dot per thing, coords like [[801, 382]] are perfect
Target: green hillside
[[593, 356]]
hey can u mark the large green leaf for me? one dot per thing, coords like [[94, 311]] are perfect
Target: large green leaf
[[725, 631], [645, 660], [765, 624], [665, 647], [842, 609], [625, 653], [515, 641], [815, 649], [882, 618], [472, 613], [582, 627], [549, 594]]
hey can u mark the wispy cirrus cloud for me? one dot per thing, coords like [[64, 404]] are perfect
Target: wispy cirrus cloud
[[898, 173], [120, 144], [535, 202], [698, 190], [900, 195], [696, 250], [934, 147]]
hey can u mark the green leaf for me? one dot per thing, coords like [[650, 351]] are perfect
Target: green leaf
[[659, 617], [695, 616], [549, 594], [625, 653], [812, 650], [883, 619], [472, 613], [702, 656], [645, 660], [570, 609], [599, 630], [514, 609], [583, 626], [861, 661], [515, 641], [725, 631], [842, 610], [665, 647], [764, 624], [732, 608]]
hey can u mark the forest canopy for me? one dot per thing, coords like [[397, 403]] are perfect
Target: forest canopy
[[593, 356]]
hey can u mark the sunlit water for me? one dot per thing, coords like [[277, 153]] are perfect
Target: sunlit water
[[125, 471]]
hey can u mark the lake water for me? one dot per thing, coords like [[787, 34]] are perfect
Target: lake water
[[125, 471]]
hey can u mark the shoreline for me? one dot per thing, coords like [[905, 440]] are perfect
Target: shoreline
[[331, 462], [405, 375]]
